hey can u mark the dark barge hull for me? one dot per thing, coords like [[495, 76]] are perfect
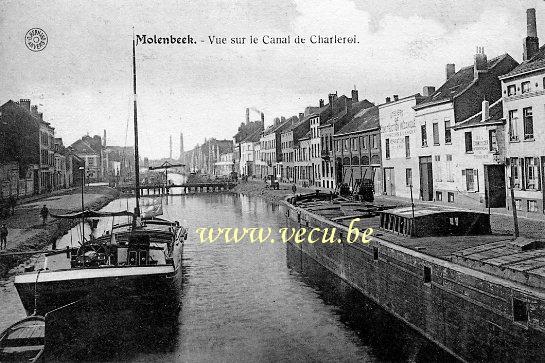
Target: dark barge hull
[[466, 312], [155, 287]]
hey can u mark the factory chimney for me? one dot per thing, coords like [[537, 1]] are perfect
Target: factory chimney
[[170, 147], [531, 42], [247, 115], [104, 140]]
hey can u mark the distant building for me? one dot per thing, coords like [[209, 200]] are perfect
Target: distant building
[[245, 129], [26, 155], [303, 164], [340, 111], [357, 150], [91, 150], [224, 166]]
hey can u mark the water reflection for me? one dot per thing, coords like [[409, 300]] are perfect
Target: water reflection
[[240, 302]]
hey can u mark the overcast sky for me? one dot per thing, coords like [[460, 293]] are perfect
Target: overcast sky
[[82, 79]]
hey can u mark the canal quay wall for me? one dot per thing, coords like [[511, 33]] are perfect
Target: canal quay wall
[[467, 312], [26, 232]]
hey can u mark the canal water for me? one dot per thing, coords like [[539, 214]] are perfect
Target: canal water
[[254, 302]]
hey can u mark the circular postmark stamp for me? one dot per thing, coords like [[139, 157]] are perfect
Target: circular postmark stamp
[[36, 39]]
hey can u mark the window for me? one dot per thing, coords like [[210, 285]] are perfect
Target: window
[[525, 87], [439, 196], [387, 146], [427, 274], [512, 89], [448, 136], [424, 135], [528, 122], [407, 147], [450, 176], [409, 177], [532, 206], [518, 204], [472, 182], [355, 143], [469, 142], [513, 125], [438, 168], [493, 141], [516, 172], [531, 175], [520, 310], [375, 141], [450, 197], [436, 133], [362, 142]]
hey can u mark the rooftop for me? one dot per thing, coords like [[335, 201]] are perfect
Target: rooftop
[[457, 84], [366, 119], [534, 63], [495, 116]]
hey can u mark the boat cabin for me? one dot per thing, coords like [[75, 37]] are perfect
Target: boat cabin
[[433, 221]]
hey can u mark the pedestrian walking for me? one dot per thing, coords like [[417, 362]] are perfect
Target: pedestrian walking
[[3, 237], [44, 213]]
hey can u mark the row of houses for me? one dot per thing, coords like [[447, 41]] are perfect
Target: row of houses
[[33, 160], [464, 142]]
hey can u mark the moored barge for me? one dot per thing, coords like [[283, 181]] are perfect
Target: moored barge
[[478, 295]]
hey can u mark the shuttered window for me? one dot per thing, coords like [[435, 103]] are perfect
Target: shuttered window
[[472, 179]]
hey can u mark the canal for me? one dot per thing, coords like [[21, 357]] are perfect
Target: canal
[[255, 302]]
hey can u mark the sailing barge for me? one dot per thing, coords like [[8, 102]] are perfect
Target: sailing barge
[[137, 263], [478, 295]]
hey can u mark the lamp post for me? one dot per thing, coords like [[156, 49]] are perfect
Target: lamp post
[[82, 168]]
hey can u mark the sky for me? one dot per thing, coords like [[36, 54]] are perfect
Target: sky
[[82, 80]]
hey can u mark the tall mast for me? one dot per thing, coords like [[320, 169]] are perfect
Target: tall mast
[[136, 155]]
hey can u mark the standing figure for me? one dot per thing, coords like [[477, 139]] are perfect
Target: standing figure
[[12, 204], [44, 213], [3, 237]]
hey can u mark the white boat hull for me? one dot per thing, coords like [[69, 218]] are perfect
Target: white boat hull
[[155, 286]]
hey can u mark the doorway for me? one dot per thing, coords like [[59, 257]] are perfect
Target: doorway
[[389, 181], [494, 186], [426, 178]]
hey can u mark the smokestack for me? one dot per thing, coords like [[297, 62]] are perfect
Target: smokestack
[[332, 97], [396, 97], [388, 99], [485, 111], [480, 63], [247, 115], [428, 91], [181, 143], [321, 103], [354, 95], [262, 120], [450, 69], [25, 103], [104, 140], [531, 42]]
